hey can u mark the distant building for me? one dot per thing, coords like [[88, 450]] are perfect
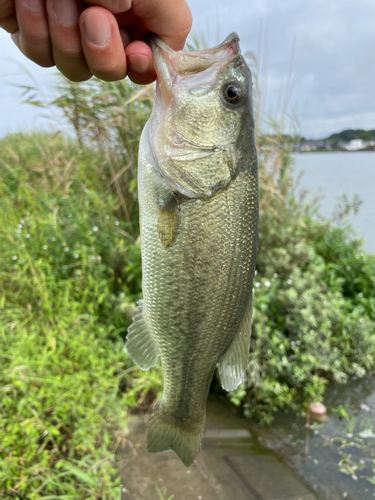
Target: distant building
[[306, 147], [354, 145]]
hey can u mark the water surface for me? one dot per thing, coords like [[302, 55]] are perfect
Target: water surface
[[332, 174]]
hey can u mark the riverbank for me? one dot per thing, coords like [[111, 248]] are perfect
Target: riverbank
[[233, 464], [288, 460]]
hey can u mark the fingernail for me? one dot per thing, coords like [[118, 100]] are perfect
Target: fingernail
[[66, 12], [34, 4], [139, 63], [97, 28]]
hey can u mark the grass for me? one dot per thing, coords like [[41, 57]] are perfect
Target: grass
[[69, 277]]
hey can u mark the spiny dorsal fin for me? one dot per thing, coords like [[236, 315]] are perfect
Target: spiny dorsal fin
[[168, 219], [139, 343], [232, 365]]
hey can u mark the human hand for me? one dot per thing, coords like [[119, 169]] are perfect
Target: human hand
[[105, 38]]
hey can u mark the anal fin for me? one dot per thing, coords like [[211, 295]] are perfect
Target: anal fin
[[139, 343], [232, 365]]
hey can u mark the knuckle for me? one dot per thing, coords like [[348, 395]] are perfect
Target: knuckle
[[41, 55], [35, 42], [72, 65], [44, 62], [188, 17], [108, 64], [71, 52]]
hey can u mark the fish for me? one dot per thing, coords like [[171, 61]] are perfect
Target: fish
[[199, 211]]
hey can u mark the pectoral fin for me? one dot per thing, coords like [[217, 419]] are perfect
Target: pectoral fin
[[139, 343], [232, 365], [168, 219]]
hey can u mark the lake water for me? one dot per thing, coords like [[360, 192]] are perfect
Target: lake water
[[333, 174]]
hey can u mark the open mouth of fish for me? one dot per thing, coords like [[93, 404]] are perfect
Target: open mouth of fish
[[196, 73], [171, 66]]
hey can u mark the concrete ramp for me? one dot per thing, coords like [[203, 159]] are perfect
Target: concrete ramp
[[231, 466]]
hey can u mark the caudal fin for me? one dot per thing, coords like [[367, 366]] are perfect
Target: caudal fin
[[165, 433]]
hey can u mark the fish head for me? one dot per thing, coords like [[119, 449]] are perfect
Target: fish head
[[202, 122]]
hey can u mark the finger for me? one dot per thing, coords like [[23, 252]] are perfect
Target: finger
[[63, 21], [7, 8], [114, 6], [171, 21], [9, 23], [34, 37], [102, 44], [124, 37], [140, 62]]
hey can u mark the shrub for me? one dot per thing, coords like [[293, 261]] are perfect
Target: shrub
[[69, 271], [314, 305]]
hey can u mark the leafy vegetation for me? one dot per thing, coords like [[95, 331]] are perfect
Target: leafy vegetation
[[349, 135], [314, 303], [70, 274], [346, 136]]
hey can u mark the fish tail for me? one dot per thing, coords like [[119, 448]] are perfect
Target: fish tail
[[165, 432]]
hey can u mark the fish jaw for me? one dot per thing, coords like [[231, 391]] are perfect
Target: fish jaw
[[170, 64]]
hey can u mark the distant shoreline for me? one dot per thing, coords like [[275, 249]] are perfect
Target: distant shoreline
[[334, 151]]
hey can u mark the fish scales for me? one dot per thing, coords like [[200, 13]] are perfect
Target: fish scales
[[199, 241], [212, 281]]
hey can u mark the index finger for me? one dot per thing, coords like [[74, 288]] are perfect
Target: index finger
[[171, 21]]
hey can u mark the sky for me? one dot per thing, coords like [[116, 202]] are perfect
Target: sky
[[320, 52]]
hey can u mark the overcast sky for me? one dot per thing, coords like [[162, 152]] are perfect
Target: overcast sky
[[333, 62]]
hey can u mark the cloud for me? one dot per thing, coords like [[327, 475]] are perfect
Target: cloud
[[15, 115], [332, 44]]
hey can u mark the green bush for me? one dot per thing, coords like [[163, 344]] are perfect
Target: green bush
[[69, 276], [314, 306]]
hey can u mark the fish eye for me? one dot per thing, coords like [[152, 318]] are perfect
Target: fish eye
[[232, 92]]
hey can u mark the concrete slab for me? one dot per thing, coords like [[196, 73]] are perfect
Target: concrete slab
[[146, 472], [232, 465], [268, 478]]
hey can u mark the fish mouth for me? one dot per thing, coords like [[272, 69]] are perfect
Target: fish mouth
[[170, 64], [176, 155]]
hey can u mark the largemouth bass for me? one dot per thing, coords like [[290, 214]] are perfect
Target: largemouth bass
[[198, 197]]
